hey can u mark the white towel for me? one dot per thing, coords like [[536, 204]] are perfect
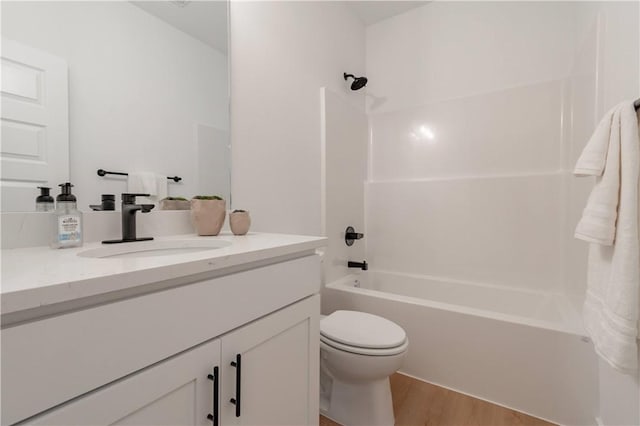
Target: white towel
[[612, 301], [598, 223], [593, 157], [148, 183]]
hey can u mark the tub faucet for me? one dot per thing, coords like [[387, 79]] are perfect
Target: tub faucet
[[362, 265], [129, 209]]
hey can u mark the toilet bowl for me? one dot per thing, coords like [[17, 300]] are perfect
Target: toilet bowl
[[358, 353]]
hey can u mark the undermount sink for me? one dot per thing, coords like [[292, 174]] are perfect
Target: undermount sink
[[153, 248]]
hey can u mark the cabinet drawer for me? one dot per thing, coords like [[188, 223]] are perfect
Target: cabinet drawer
[[47, 362]]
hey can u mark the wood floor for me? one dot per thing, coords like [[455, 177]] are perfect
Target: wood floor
[[420, 403]]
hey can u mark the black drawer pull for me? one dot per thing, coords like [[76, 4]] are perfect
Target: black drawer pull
[[215, 376], [238, 365]]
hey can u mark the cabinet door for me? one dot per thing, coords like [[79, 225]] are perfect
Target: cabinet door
[[177, 391], [278, 367]]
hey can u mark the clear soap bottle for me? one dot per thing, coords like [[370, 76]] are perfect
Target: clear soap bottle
[[67, 220]]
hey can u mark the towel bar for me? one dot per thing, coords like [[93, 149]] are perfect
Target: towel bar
[[102, 172]]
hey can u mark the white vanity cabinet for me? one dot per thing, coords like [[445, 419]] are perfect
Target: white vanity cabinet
[[146, 360], [275, 376]]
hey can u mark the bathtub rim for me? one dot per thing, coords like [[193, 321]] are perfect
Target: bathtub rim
[[565, 326]]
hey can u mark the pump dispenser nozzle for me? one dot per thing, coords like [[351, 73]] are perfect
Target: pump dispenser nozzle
[[44, 201], [66, 194]]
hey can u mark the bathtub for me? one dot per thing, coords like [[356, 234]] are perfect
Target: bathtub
[[521, 349]]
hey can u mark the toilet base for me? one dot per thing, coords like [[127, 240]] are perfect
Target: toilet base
[[355, 404]]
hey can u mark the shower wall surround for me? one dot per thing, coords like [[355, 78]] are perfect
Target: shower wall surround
[[476, 125], [481, 200], [467, 141], [344, 170]]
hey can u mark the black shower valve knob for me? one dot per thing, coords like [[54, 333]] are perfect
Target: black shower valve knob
[[353, 235], [350, 235]]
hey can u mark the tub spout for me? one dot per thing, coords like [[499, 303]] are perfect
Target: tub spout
[[362, 265]]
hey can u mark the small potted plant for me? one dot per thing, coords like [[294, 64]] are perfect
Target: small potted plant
[[175, 203], [239, 221], [208, 213]]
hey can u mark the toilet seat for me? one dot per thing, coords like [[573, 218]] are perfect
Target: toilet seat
[[362, 333], [365, 351]]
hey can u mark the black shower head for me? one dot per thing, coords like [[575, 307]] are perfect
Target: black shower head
[[358, 82]]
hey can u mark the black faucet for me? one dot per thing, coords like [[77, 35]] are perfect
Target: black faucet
[[362, 265], [129, 209]]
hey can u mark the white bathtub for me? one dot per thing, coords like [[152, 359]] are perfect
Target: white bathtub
[[520, 349]]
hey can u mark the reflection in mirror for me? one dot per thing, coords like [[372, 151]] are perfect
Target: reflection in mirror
[[135, 87]]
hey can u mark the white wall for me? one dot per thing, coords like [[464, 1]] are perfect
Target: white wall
[[466, 102], [448, 50], [281, 54], [137, 89]]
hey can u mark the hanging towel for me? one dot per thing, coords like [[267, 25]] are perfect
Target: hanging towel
[[598, 223], [610, 223], [148, 183]]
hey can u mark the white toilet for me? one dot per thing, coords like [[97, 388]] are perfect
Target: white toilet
[[358, 353]]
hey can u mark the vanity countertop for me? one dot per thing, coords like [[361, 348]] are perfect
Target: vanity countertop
[[35, 277]]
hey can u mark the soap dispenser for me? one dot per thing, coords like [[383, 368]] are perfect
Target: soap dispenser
[[44, 201], [67, 220]]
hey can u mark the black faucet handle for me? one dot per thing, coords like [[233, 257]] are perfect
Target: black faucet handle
[[353, 235], [350, 235], [130, 198]]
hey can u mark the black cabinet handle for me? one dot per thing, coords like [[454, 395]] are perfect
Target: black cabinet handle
[[215, 377], [238, 365]]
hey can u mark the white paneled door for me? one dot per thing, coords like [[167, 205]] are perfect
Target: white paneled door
[[35, 124]]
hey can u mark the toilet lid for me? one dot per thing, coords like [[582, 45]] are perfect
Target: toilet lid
[[361, 329], [328, 343]]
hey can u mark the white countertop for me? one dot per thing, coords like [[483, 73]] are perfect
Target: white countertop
[[39, 276]]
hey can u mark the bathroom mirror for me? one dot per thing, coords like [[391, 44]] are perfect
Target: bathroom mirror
[[123, 86]]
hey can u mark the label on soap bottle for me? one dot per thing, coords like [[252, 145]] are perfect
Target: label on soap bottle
[[69, 229]]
